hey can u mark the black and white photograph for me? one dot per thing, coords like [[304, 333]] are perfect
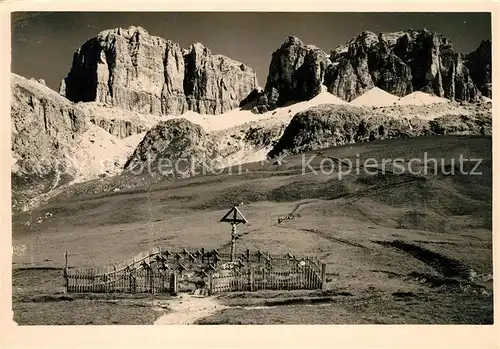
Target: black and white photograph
[[251, 168]]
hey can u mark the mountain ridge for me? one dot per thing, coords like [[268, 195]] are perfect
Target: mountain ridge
[[113, 110], [132, 69], [397, 62]]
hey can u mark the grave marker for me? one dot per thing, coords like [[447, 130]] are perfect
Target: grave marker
[[234, 217]]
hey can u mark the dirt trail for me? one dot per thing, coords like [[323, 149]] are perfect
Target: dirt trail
[[187, 309]]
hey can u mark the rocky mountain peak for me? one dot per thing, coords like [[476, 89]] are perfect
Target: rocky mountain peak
[[295, 74], [198, 47], [397, 62], [131, 69], [485, 46], [391, 38], [365, 38], [479, 64], [292, 40], [129, 32]]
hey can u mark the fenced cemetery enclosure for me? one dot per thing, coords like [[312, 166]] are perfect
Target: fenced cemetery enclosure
[[162, 271]]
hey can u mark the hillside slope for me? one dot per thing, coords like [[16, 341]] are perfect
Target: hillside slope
[[333, 125], [379, 232], [56, 143]]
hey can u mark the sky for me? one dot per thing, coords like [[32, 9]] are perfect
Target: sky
[[43, 43]]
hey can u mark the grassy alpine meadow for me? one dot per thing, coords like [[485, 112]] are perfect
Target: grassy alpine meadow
[[400, 248]]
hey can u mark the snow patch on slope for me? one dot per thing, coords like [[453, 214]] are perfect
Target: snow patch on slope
[[420, 98], [375, 97], [99, 152]]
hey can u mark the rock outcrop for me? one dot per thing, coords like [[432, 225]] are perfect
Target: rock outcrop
[[320, 127], [119, 128], [44, 126], [466, 124], [132, 69], [246, 143], [56, 142], [176, 147], [479, 64], [180, 148], [399, 63], [119, 122], [333, 125], [368, 62], [295, 74]]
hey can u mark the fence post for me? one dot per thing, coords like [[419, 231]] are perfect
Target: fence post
[[66, 279], [323, 276], [173, 283], [92, 279], [306, 269], [216, 257], [150, 279], [252, 278], [210, 283], [116, 283], [203, 255], [65, 275], [76, 279], [132, 281], [248, 255]]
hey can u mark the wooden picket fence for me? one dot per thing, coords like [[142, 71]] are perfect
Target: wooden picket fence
[[276, 274], [159, 270], [127, 281]]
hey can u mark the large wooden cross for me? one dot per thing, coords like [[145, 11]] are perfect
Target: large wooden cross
[[234, 217]]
